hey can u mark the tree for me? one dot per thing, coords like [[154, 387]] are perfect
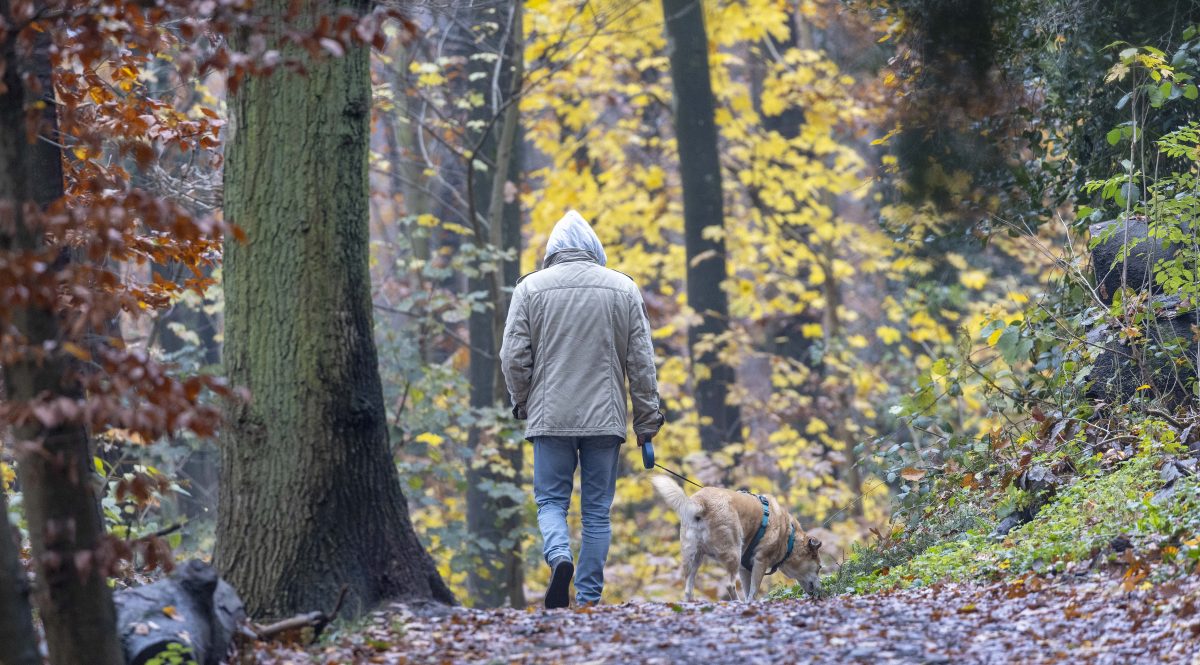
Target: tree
[[703, 211], [16, 624], [310, 501], [493, 516], [61, 508]]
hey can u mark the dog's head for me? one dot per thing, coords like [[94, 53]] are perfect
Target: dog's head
[[804, 565]]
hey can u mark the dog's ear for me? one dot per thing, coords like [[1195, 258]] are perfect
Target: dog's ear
[[813, 544]]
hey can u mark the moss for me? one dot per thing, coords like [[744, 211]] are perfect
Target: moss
[[1078, 524]]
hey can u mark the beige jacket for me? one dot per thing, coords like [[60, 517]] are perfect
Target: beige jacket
[[575, 331]]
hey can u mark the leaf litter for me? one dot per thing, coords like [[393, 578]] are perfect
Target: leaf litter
[[1029, 619]]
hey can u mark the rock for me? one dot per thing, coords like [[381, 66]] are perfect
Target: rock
[[1120, 543], [1013, 520], [1120, 369], [1137, 270], [193, 613]]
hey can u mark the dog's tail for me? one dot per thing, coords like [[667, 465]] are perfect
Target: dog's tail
[[676, 499]]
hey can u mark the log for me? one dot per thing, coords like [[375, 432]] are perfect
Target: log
[[193, 613]]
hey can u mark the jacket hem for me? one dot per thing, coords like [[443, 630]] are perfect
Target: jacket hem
[[575, 431]]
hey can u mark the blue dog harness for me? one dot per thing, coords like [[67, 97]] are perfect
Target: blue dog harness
[[748, 555]]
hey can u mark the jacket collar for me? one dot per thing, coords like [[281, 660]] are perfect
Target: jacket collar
[[569, 255]]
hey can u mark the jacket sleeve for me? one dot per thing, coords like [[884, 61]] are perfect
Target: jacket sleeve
[[516, 352], [643, 382]]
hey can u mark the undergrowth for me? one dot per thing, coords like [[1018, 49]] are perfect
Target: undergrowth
[[1121, 518]]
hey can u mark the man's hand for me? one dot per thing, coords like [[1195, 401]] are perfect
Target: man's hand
[[519, 413], [644, 437]]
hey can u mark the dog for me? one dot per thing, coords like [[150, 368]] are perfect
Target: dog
[[722, 524]]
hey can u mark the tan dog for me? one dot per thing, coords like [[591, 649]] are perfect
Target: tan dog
[[721, 524]]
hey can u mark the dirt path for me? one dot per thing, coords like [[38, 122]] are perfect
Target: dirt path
[[1036, 621]]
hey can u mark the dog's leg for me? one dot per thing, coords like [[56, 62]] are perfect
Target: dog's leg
[[755, 576], [691, 566], [731, 570], [744, 576]]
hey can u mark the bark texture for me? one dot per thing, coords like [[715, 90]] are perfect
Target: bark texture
[[310, 500], [493, 520], [700, 171], [65, 529], [16, 626]]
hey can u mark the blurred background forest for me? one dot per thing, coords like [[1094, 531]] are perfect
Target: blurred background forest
[[890, 305]]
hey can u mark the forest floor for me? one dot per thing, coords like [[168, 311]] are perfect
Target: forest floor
[[1027, 620]]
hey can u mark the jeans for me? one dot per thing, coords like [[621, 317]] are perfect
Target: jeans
[[554, 459]]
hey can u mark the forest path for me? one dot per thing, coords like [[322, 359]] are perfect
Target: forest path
[[1032, 621]]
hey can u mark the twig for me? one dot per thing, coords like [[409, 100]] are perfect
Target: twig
[[1167, 417]]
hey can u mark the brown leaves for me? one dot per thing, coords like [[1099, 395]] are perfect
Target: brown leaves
[[942, 623]]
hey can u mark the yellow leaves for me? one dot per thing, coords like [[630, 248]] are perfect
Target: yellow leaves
[[973, 279], [857, 341], [429, 439], [171, 612], [7, 476], [429, 75], [923, 328], [885, 138], [654, 178], [955, 259], [812, 330], [458, 229], [887, 334], [816, 426]]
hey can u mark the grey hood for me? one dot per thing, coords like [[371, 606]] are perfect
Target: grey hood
[[574, 232]]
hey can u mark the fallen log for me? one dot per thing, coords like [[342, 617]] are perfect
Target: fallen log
[[193, 614]]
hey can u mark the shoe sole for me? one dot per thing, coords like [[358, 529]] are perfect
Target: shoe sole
[[558, 595]]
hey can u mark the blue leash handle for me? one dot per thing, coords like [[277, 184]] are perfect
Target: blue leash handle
[[647, 454]]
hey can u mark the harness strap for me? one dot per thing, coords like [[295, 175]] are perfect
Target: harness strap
[[788, 554], [748, 555]]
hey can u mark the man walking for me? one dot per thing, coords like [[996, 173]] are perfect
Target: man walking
[[575, 331]]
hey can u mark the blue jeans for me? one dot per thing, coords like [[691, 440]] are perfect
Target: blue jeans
[[554, 459]]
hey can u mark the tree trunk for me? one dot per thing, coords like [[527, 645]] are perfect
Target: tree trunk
[[700, 170], [65, 529], [494, 521], [16, 626], [310, 500]]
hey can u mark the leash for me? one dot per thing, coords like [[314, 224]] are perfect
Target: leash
[[679, 476], [648, 461]]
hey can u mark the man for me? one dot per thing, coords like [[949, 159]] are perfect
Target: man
[[575, 331]]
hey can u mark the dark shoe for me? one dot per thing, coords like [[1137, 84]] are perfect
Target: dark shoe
[[559, 594]]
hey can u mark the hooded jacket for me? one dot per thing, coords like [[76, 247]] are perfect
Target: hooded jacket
[[576, 331]]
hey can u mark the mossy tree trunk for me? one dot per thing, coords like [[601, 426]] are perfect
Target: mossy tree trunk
[[16, 624], [493, 516], [703, 207], [65, 528], [310, 500]]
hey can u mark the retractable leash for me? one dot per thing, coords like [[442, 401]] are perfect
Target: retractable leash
[[647, 447]]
